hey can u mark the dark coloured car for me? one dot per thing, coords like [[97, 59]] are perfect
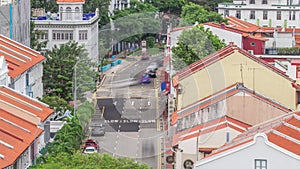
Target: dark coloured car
[[98, 130], [145, 79]]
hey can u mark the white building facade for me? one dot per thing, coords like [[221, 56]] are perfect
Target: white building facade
[[266, 13], [70, 23]]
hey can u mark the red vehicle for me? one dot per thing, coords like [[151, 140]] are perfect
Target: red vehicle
[[91, 143]]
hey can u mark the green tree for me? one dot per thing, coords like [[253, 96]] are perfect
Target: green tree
[[210, 5], [59, 70], [57, 103], [192, 13], [168, 6], [35, 43], [102, 5], [89, 161], [195, 44], [135, 22]]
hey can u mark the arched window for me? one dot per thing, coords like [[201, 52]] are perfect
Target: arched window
[[77, 13], [68, 13]]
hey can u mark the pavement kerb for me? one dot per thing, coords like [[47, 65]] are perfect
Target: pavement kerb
[[117, 71]]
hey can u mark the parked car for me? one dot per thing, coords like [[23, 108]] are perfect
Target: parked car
[[145, 79], [90, 149], [91, 143], [98, 130]]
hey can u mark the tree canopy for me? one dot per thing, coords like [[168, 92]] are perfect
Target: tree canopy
[[168, 6], [59, 71], [90, 161], [194, 44], [192, 13], [34, 38]]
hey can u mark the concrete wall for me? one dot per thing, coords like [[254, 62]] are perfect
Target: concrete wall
[[227, 71], [272, 8], [228, 36]]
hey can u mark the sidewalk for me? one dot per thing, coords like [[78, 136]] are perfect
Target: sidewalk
[[127, 62]]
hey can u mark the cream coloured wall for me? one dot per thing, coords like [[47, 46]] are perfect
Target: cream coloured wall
[[226, 72]]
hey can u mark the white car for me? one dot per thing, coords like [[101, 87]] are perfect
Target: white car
[[89, 150], [152, 66]]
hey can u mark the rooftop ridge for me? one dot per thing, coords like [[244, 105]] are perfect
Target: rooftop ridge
[[27, 97], [12, 56], [18, 53], [285, 136], [29, 50], [12, 135], [11, 123], [20, 101], [264, 127], [291, 126], [25, 111], [6, 144]]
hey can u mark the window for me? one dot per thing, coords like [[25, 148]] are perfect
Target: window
[[252, 14], [83, 35], [58, 36], [226, 12], [260, 164], [238, 14], [53, 36], [298, 72], [294, 15], [265, 15], [278, 15], [264, 2], [69, 14], [252, 1], [252, 43], [44, 35], [290, 15]]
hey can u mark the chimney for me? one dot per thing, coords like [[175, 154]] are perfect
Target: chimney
[[231, 43]]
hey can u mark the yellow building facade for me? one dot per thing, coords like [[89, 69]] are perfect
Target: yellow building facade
[[228, 66]]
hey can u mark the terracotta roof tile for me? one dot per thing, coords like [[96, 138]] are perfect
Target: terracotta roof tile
[[208, 127], [221, 95], [31, 105], [18, 57], [283, 132], [17, 134], [219, 55]]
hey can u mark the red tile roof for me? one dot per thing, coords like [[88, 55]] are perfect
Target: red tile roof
[[16, 135], [283, 132], [224, 94], [17, 131], [18, 57], [25, 103], [211, 126], [219, 55]]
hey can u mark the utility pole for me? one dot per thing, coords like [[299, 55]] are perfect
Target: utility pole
[[241, 70], [253, 76]]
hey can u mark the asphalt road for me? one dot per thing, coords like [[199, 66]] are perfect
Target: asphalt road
[[130, 112]]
